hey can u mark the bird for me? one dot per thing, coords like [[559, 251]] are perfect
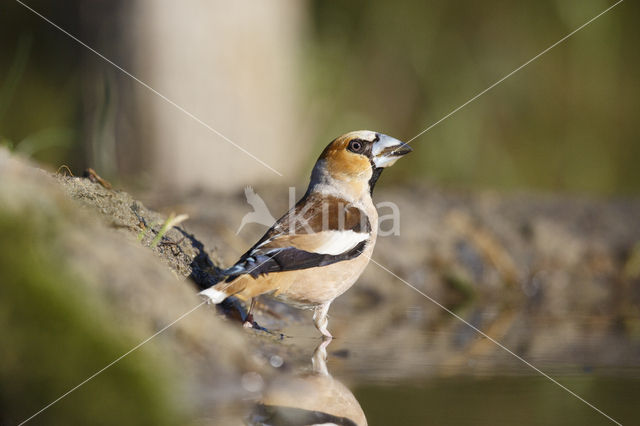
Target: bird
[[260, 213], [320, 247], [312, 396]]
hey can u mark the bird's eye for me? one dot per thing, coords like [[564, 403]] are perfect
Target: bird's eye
[[355, 146]]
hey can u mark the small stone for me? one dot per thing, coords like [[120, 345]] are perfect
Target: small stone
[[276, 361], [252, 382]]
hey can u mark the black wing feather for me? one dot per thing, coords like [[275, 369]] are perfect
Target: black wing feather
[[288, 259]]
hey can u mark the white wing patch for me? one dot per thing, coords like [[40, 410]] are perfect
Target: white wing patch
[[325, 242], [337, 242]]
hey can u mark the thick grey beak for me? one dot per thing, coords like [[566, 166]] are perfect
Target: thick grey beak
[[387, 150]]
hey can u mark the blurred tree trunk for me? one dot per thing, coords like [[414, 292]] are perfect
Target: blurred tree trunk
[[232, 65]]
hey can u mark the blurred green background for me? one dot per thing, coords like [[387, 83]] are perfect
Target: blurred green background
[[567, 122]]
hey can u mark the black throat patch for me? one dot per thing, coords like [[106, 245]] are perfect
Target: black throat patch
[[377, 171]]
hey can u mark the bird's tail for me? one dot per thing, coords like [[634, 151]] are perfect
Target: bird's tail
[[223, 289]]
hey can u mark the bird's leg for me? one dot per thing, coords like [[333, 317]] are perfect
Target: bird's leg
[[320, 319], [319, 358], [248, 320]]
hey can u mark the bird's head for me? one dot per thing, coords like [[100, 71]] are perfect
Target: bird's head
[[356, 159]]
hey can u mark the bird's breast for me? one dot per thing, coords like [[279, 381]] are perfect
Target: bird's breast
[[307, 288]]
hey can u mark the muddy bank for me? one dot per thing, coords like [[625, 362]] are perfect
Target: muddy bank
[[81, 287]]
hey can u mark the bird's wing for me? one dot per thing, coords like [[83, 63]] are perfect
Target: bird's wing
[[318, 231]]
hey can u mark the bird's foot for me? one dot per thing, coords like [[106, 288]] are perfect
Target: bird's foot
[[249, 322], [255, 326], [326, 336], [321, 320]]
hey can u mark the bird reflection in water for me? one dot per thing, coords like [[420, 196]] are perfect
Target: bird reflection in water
[[313, 398]]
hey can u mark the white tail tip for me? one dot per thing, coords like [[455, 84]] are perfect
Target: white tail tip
[[215, 296]]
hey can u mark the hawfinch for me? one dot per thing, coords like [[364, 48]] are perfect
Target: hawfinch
[[313, 397], [318, 249]]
